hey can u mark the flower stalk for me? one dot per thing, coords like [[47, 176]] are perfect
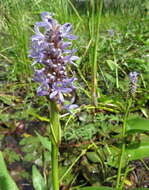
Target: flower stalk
[[133, 76], [55, 139]]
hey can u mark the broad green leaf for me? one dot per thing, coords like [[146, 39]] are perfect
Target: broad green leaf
[[46, 143], [140, 189], [132, 152], [6, 181], [139, 152], [107, 188], [98, 188], [92, 156], [38, 180], [137, 125]]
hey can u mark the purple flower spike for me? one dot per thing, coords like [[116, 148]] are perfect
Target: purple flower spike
[[51, 50], [133, 76]]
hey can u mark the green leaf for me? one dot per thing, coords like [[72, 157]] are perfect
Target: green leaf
[[112, 64], [98, 188], [132, 152], [137, 60], [137, 125], [107, 188], [113, 156], [46, 143], [6, 181], [140, 189], [41, 118], [7, 99], [144, 111], [140, 151], [92, 156], [38, 180]]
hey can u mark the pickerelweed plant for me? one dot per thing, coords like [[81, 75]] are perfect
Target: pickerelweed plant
[[133, 78], [51, 51]]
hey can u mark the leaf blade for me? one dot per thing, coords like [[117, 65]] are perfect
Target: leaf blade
[[6, 181], [38, 180]]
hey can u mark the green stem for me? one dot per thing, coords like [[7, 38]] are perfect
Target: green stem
[[55, 139], [120, 166], [117, 80], [129, 103], [54, 156], [55, 124]]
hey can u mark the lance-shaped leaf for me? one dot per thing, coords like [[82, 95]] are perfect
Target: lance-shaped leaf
[[137, 125], [6, 181], [38, 180], [136, 152]]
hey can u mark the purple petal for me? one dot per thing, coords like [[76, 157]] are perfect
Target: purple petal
[[70, 37], [36, 27], [61, 97], [37, 38], [46, 15], [41, 91], [72, 63], [67, 51], [66, 44], [66, 90], [73, 58], [66, 28], [53, 94], [71, 107], [45, 83], [47, 18]]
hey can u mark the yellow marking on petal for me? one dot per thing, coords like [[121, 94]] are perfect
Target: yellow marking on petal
[[26, 135]]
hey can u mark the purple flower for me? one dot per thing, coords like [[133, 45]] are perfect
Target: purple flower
[[59, 88], [133, 76], [46, 16], [70, 82], [70, 107], [111, 32], [42, 90], [40, 77], [71, 57], [66, 30], [51, 50]]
